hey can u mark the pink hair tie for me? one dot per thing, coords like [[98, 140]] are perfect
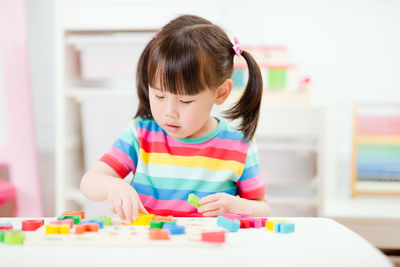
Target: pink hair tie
[[236, 47], [157, 33]]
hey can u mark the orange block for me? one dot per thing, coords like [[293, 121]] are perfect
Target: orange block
[[88, 227], [163, 218], [75, 213], [158, 234]]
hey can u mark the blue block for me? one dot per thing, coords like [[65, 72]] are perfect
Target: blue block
[[99, 222], [5, 223], [285, 228], [230, 225], [174, 229]]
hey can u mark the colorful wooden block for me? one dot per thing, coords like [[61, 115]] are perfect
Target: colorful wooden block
[[194, 200], [255, 222], [75, 218], [31, 225], [244, 223], [215, 237], [274, 225], [143, 219], [231, 216], [106, 220], [286, 227], [1, 235], [89, 227], [6, 226], [263, 221], [158, 234], [230, 225], [14, 237], [70, 222], [174, 229], [74, 213], [270, 225], [99, 222], [156, 225], [57, 229]]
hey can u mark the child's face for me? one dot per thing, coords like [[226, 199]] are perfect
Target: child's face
[[183, 116]]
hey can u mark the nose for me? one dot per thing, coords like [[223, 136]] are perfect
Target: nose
[[171, 109]]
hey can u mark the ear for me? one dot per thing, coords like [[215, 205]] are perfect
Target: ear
[[223, 91]]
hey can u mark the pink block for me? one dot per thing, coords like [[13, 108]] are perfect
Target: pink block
[[65, 221], [255, 222], [241, 215], [230, 216], [263, 221]]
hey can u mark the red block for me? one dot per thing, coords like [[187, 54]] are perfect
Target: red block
[[215, 237], [31, 225], [244, 223], [6, 227]]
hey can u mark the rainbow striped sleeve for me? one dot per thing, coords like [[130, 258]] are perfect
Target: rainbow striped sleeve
[[251, 185], [123, 155]]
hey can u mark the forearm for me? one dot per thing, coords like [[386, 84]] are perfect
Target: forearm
[[256, 208], [95, 185]]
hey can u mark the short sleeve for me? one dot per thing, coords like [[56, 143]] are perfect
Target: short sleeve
[[123, 155], [251, 184]]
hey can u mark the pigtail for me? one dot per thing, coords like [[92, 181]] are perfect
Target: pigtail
[[248, 106], [142, 84]]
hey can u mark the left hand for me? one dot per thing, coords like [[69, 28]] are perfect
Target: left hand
[[216, 204]]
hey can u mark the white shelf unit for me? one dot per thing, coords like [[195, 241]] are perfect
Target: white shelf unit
[[75, 19]]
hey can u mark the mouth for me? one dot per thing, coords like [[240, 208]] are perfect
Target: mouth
[[172, 127]]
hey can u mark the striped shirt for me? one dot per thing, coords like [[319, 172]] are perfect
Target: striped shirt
[[166, 169]]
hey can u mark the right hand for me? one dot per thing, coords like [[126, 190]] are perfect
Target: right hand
[[124, 201]]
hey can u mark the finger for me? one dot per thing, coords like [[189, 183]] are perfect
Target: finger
[[209, 207], [120, 212], [127, 208], [209, 198], [212, 213], [112, 207]]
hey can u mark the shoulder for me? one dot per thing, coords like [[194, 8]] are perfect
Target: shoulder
[[230, 132]]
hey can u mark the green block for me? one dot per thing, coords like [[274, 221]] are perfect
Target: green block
[[14, 237], [106, 220], [277, 78], [75, 218], [194, 200], [156, 225], [1, 236]]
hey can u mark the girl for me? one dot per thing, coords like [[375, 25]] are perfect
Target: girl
[[174, 146]]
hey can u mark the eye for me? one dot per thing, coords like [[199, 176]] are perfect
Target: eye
[[159, 96], [186, 102]]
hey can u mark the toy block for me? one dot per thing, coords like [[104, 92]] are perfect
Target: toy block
[[106, 220], [163, 218], [57, 229], [14, 237], [1, 235], [215, 237], [158, 234], [66, 221], [230, 225], [244, 223], [263, 221], [6, 226], [143, 219], [74, 213], [88, 227], [255, 222], [76, 218], [194, 200], [31, 225], [99, 222], [156, 225], [241, 215], [174, 229], [286, 227], [231, 216], [270, 225], [274, 225], [171, 222]]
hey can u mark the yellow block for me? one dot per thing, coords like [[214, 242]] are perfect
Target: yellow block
[[270, 224], [143, 219], [63, 229], [51, 229]]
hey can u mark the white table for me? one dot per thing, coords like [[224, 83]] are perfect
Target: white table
[[316, 242]]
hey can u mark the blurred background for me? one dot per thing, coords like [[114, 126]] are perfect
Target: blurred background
[[329, 131]]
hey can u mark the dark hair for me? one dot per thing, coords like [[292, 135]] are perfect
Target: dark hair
[[190, 54]]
